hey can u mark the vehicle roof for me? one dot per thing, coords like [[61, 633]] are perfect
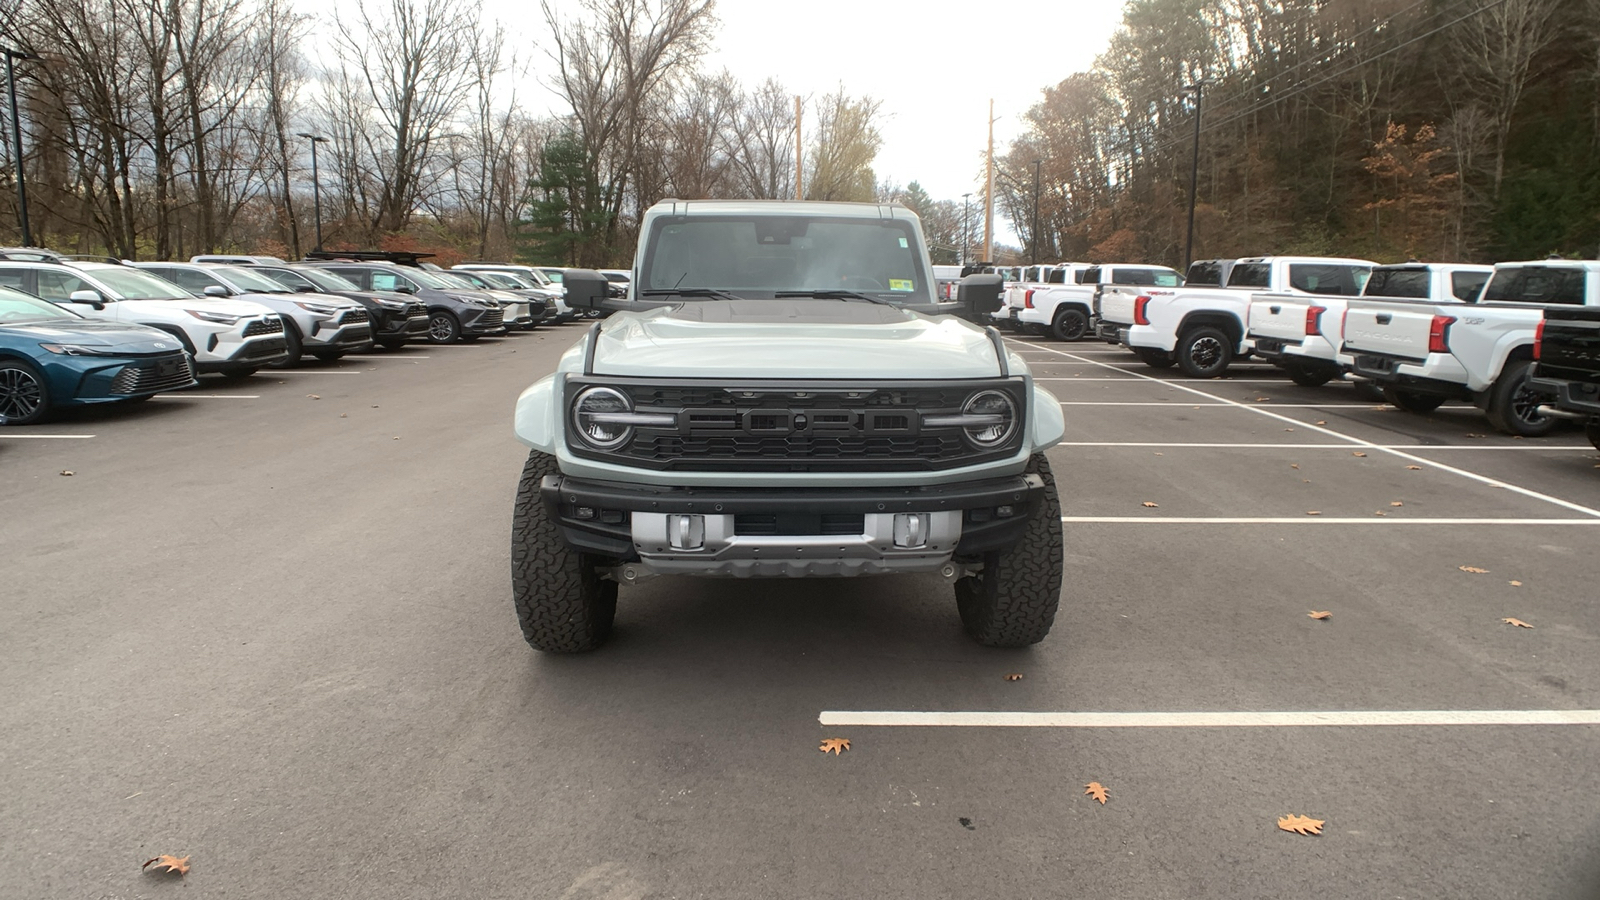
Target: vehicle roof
[[81, 265], [818, 208], [1321, 259], [1591, 265], [1467, 267]]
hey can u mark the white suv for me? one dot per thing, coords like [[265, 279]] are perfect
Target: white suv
[[234, 337]]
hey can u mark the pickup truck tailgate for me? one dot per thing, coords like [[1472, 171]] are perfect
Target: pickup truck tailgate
[[1390, 328], [1116, 305], [1278, 317], [1571, 345]]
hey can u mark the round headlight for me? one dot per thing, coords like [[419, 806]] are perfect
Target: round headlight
[[998, 414], [590, 413]]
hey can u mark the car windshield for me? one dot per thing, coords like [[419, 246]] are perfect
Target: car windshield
[[501, 280], [291, 280], [431, 280], [768, 254], [326, 280], [1403, 283], [132, 284], [17, 307], [451, 281], [615, 277], [554, 275], [247, 280]]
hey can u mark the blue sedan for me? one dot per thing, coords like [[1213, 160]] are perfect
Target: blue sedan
[[52, 357]]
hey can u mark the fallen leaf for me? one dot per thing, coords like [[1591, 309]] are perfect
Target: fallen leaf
[[1096, 790], [1262, 399], [314, 396], [1013, 677], [1472, 434], [1322, 421], [1288, 429], [1473, 570], [1301, 824], [1380, 513], [169, 863], [836, 746], [344, 415], [374, 406], [1396, 503], [1313, 512], [1517, 622], [1514, 583], [1358, 453], [397, 437], [66, 471], [1148, 505], [1161, 454], [1415, 468], [1294, 465], [1321, 615]]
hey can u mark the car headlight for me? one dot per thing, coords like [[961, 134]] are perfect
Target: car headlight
[[604, 418], [206, 315], [989, 419], [77, 350], [320, 309]]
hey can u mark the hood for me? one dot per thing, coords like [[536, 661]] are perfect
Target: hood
[[109, 336], [792, 339], [226, 305]]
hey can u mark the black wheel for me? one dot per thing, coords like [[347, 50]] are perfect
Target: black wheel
[[443, 327], [1013, 601], [391, 343], [1155, 359], [1513, 407], [562, 603], [1412, 401], [291, 340], [24, 397], [328, 356], [1309, 377], [1591, 429], [1204, 352], [239, 371], [1069, 324]]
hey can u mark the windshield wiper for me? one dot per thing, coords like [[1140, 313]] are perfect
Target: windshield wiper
[[713, 293], [835, 294]]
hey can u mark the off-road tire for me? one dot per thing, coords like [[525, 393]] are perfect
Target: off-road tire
[[1013, 602], [1155, 359], [562, 603], [1309, 377], [296, 347], [1412, 401], [1513, 408], [233, 372], [392, 343], [1069, 324], [328, 356], [1591, 430], [443, 327], [24, 395], [1204, 352]]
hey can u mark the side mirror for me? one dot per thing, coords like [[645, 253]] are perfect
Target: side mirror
[[586, 288], [92, 298], [215, 290], [979, 295]]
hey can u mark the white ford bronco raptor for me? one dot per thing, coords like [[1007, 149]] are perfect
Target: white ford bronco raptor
[[781, 394]]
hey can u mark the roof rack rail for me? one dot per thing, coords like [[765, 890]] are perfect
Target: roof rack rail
[[398, 257]]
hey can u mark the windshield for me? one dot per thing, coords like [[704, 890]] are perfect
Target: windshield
[[1403, 283], [326, 280], [291, 280], [454, 282], [247, 280], [502, 280], [1536, 284], [554, 275], [615, 277], [132, 284], [15, 307], [767, 254], [431, 280]]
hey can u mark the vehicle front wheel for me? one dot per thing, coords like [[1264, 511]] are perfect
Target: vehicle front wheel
[[24, 397], [1513, 406], [1069, 325], [1309, 377], [443, 327], [291, 339], [1013, 601], [329, 356], [239, 371], [1204, 352], [1155, 359], [1412, 401], [562, 603], [392, 343]]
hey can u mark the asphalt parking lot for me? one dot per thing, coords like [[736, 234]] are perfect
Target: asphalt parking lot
[[267, 625]]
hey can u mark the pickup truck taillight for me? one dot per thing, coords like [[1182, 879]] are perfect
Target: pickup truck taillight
[[1314, 320], [1538, 341], [1439, 334], [1027, 299], [1139, 304]]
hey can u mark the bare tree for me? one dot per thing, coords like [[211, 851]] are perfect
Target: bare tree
[[283, 73], [764, 130], [846, 142], [1496, 49]]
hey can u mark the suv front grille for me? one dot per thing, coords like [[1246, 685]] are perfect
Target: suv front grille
[[796, 426], [162, 373], [493, 318], [352, 316], [273, 325]]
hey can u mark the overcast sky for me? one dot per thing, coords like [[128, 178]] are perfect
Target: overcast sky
[[929, 63]]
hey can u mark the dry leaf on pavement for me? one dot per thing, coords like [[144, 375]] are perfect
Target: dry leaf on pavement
[[1396, 503], [1320, 615], [1096, 790], [1517, 622], [314, 396], [169, 863], [1313, 512], [1358, 453], [1514, 583], [836, 746], [1322, 421], [1148, 505], [66, 471], [1013, 677], [1415, 468], [1294, 465], [1473, 570], [1262, 399], [1301, 824]]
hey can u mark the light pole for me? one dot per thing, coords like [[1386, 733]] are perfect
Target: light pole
[[316, 182], [965, 240], [16, 138], [1035, 253], [1198, 90]]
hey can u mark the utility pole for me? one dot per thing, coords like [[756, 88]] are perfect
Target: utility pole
[[16, 138], [966, 240], [988, 194], [1198, 89], [799, 156], [316, 182], [1035, 253]]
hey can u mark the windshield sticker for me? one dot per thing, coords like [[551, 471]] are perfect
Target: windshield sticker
[[903, 244], [901, 284]]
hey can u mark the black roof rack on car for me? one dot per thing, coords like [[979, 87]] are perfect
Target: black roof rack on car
[[399, 257]]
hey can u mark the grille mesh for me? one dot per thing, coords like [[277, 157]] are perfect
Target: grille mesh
[[273, 325], [147, 376]]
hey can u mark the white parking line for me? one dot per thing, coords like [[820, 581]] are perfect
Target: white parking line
[[1311, 520], [1239, 719], [45, 437], [1359, 442], [1224, 446], [1230, 403], [367, 357], [277, 372], [1130, 377], [180, 395]]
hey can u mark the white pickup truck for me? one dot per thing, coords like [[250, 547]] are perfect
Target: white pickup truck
[[1302, 335], [1031, 278], [1426, 353], [1202, 329], [1065, 311]]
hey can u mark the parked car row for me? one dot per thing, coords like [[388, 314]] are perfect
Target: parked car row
[[77, 331], [1421, 334]]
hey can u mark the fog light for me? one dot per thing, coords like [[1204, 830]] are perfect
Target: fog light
[[686, 532], [583, 512], [911, 529], [1004, 512]]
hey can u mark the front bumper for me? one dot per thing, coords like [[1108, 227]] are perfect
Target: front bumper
[[253, 352], [1582, 397], [789, 532], [326, 335], [98, 379], [487, 321]]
